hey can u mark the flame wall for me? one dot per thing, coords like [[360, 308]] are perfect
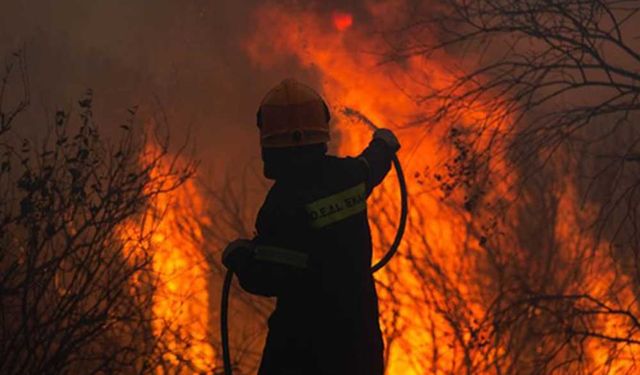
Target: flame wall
[[455, 300], [170, 234], [446, 293]]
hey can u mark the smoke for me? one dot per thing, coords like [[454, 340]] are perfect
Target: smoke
[[206, 65], [186, 60], [181, 59]]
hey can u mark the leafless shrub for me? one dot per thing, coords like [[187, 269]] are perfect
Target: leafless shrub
[[551, 228], [232, 204], [76, 283]]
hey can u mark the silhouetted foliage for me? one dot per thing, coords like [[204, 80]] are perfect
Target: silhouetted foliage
[[550, 179], [76, 282]]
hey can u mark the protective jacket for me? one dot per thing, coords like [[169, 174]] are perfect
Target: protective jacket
[[313, 252]]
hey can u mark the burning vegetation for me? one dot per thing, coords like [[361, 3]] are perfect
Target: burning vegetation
[[516, 120], [507, 266]]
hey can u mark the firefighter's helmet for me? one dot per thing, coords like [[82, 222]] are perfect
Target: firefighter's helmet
[[293, 114]]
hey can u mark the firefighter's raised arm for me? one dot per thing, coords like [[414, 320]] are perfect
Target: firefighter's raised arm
[[377, 156]]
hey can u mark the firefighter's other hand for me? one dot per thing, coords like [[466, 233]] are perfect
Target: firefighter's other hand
[[236, 252], [388, 138]]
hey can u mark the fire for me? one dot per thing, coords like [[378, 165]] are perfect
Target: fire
[[171, 232], [347, 80], [342, 20], [446, 328]]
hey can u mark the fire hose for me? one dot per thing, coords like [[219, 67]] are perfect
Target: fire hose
[[404, 210]]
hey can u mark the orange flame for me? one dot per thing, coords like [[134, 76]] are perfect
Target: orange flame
[[415, 319], [357, 80], [171, 232]]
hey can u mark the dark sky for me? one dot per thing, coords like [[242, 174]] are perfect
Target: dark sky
[[184, 56]]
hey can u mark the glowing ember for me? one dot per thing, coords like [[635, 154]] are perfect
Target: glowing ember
[[342, 20]]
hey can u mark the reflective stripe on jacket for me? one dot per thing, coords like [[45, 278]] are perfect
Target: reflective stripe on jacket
[[313, 252]]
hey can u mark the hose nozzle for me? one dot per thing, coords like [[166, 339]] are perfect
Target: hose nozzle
[[359, 116]]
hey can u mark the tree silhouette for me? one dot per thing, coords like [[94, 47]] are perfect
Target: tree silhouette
[[76, 283]]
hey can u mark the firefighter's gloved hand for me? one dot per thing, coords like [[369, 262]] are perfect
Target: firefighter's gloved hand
[[388, 138], [236, 253]]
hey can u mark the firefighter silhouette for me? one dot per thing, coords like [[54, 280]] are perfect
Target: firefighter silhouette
[[313, 249]]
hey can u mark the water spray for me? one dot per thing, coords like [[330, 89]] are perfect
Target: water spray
[[404, 205], [404, 211]]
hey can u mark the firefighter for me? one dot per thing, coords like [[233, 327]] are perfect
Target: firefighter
[[312, 250]]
